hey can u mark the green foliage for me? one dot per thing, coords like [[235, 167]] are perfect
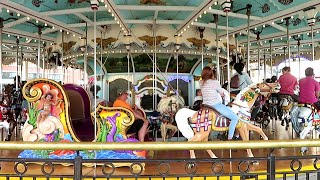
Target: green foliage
[[33, 114]]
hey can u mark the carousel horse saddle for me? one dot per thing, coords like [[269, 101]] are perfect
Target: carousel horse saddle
[[220, 121]]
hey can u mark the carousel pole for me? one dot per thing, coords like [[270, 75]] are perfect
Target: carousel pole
[[288, 40], [154, 82], [201, 30], [248, 37], [235, 37], [284, 55], [95, 8], [85, 76], [21, 63], [101, 65], [264, 65], [312, 42], [62, 54], [1, 30], [43, 60], [226, 8], [258, 42], [38, 54], [299, 60], [216, 19], [17, 62], [271, 72]]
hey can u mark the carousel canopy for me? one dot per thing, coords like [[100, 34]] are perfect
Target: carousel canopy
[[176, 25]]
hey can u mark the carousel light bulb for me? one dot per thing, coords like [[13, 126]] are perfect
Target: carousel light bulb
[[74, 35], [8, 35], [264, 26], [291, 17], [53, 27], [28, 18], [45, 24], [18, 14], [109, 10], [189, 27], [216, 3], [185, 29], [118, 22], [115, 18], [205, 12], [272, 23], [191, 23], [210, 7], [200, 16], [196, 20], [60, 30], [67, 32], [112, 14], [8, 11], [106, 5], [37, 21], [281, 20]]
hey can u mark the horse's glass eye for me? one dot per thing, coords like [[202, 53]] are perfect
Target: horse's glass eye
[[257, 90]]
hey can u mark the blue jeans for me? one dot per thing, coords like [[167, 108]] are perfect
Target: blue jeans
[[228, 113]]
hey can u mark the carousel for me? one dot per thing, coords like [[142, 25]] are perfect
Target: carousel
[[63, 64]]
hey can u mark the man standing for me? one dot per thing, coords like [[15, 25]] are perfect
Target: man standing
[[288, 83], [140, 125], [309, 89]]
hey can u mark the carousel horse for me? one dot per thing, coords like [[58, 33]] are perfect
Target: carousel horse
[[286, 104], [167, 107], [197, 125], [305, 118]]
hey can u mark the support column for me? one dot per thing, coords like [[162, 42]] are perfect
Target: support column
[[312, 43], [264, 65], [259, 63]]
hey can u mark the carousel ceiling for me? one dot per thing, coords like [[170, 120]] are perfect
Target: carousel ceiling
[[269, 22]]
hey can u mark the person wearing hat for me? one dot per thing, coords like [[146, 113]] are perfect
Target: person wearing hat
[[140, 125], [309, 89]]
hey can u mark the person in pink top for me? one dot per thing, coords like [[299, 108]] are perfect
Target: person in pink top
[[309, 89], [288, 83]]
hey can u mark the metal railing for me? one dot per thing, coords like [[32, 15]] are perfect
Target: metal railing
[[221, 168]]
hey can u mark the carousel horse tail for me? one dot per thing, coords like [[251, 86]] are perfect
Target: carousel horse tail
[[182, 117]]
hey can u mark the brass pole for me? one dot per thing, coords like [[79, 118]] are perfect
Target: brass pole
[[255, 144]]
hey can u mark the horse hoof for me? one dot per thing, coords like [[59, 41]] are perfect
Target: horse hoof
[[255, 162], [282, 123]]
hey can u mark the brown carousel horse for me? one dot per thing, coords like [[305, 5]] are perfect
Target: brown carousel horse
[[205, 120]]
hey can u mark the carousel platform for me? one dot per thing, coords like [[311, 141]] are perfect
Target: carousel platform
[[172, 164]]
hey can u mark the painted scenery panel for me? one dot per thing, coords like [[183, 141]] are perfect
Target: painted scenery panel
[[118, 64], [185, 63]]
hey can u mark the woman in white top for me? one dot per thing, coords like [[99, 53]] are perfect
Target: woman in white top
[[244, 79], [211, 94]]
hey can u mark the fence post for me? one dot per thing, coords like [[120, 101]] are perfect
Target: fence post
[[77, 167], [271, 167]]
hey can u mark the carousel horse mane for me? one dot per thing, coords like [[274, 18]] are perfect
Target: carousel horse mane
[[165, 104]]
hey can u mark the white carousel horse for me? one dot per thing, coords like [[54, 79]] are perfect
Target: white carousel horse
[[305, 118], [205, 120]]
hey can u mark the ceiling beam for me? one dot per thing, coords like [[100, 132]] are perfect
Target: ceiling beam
[[199, 10], [156, 8], [89, 21], [36, 15], [113, 7], [14, 23], [278, 35], [211, 25], [121, 7], [274, 17], [132, 21], [278, 27], [231, 14], [19, 33]]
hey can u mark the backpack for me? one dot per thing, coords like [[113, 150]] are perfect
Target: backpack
[[235, 82]]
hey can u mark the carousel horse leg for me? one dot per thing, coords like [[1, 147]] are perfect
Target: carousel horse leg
[[244, 133], [257, 129], [209, 151], [304, 133]]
